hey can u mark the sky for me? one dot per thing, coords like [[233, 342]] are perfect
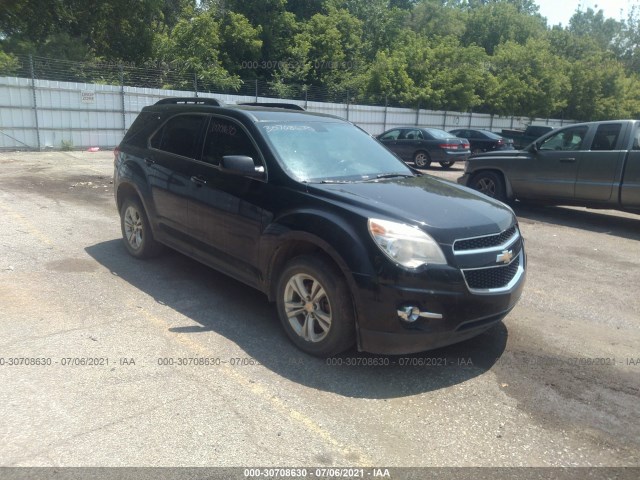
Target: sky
[[560, 11]]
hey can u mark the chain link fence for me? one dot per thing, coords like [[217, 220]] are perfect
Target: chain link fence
[[53, 103]]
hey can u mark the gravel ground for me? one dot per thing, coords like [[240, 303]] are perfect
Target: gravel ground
[[557, 384]]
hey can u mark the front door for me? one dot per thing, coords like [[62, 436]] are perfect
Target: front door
[[225, 213], [552, 170]]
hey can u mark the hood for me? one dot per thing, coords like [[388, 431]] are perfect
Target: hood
[[445, 210]]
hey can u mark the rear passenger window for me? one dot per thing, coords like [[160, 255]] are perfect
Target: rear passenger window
[[180, 135], [606, 137], [636, 140], [225, 137]]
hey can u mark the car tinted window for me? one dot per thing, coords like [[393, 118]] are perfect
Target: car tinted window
[[606, 136], [316, 151], [391, 135], [636, 139], [412, 135], [180, 135], [567, 139], [437, 133], [225, 137], [142, 127]]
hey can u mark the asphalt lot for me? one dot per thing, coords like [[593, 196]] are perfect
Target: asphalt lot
[[557, 384]]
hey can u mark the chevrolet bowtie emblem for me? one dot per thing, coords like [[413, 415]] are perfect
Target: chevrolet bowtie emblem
[[505, 257]]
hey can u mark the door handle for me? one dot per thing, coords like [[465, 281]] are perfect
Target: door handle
[[198, 180], [567, 160], [149, 161]]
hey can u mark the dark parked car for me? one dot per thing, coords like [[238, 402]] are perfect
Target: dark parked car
[[595, 164], [522, 138], [425, 145], [483, 140], [352, 244]]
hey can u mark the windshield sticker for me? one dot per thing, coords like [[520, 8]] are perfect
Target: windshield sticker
[[297, 128]]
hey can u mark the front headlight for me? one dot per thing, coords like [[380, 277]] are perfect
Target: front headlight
[[405, 245]]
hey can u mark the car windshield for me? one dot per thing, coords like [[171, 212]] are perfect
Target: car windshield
[[437, 133], [332, 151]]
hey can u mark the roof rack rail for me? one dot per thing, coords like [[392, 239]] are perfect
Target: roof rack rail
[[288, 106], [195, 100]]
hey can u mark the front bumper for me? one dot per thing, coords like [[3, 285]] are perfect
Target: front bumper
[[464, 314]]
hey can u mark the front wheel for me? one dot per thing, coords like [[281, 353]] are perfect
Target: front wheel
[[421, 159], [447, 165], [315, 307], [489, 183]]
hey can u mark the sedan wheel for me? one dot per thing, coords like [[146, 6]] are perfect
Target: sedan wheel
[[315, 308], [421, 159]]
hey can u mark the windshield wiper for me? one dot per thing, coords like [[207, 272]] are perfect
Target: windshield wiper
[[392, 175]]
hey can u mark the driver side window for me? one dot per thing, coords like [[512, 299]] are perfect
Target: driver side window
[[567, 139]]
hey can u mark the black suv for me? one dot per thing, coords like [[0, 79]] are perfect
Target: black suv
[[353, 245]]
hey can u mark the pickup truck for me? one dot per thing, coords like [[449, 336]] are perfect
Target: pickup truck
[[595, 164], [522, 138]]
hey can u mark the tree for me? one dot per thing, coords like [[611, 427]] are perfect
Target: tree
[[499, 22], [194, 47], [531, 80]]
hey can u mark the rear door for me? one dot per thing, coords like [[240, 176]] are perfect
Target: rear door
[[600, 166], [409, 142], [630, 190], [173, 147], [552, 170]]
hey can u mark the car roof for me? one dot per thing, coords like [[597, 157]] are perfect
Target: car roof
[[255, 114]]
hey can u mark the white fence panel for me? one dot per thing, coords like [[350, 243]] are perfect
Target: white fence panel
[[43, 114]]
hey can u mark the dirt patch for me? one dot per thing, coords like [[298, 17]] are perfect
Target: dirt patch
[[82, 189], [72, 265]]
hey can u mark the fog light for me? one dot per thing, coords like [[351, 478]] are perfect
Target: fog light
[[411, 313]]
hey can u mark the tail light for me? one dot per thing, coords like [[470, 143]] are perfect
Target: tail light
[[501, 142]]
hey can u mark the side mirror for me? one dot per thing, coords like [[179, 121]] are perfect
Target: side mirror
[[533, 148], [241, 165]]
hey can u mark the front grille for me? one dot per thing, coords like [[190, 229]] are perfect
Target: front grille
[[493, 277], [484, 242]]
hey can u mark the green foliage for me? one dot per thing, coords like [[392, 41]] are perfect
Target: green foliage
[[8, 63], [498, 22], [530, 78], [494, 56]]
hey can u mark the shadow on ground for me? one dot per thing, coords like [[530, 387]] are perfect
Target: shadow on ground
[[598, 221], [243, 315]]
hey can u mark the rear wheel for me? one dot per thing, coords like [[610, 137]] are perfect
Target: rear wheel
[[421, 159], [489, 183], [136, 232], [315, 307], [447, 164]]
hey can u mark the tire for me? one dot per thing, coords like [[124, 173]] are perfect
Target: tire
[[136, 232], [421, 159], [447, 165], [489, 183], [322, 326]]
